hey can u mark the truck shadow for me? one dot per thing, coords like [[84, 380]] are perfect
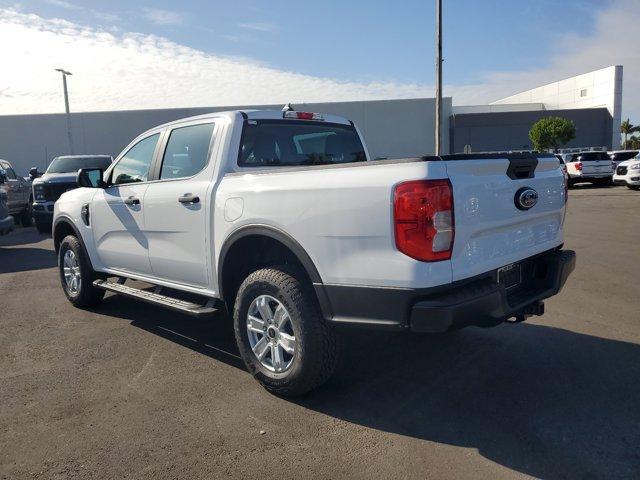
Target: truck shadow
[[23, 259], [542, 401]]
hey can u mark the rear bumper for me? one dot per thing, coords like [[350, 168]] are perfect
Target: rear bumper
[[6, 225], [478, 301], [590, 176]]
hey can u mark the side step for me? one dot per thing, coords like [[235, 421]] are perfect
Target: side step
[[182, 306]]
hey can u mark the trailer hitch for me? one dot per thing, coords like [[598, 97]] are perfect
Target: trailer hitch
[[535, 308]]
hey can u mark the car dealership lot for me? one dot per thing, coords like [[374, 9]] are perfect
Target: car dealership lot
[[129, 390]]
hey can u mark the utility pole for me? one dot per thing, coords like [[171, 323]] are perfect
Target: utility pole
[[438, 74], [66, 106]]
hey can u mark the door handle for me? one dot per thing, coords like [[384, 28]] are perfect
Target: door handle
[[132, 201], [189, 198]]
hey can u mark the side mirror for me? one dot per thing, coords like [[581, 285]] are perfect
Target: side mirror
[[3, 176], [90, 177], [33, 173]]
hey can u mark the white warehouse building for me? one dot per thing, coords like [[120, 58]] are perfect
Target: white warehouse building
[[600, 88], [391, 128]]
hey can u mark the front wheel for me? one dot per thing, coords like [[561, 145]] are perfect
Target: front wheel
[[26, 217], [76, 274], [633, 187], [283, 339]]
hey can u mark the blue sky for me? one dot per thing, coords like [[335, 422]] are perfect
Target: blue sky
[[267, 51], [354, 40]]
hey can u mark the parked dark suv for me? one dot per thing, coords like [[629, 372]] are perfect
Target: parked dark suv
[[60, 177], [18, 191]]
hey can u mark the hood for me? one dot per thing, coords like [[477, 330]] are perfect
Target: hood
[[626, 163], [68, 177]]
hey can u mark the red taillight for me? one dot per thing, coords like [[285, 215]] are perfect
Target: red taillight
[[423, 219], [578, 166]]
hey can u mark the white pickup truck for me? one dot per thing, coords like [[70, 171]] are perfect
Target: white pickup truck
[[282, 219]]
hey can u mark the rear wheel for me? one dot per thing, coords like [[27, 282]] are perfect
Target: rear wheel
[[283, 339], [76, 274]]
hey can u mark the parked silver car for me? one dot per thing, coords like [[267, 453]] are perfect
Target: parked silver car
[[6, 220], [18, 191]]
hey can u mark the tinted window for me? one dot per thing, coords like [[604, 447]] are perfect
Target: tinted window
[[11, 174], [187, 151], [592, 156], [134, 165], [290, 142], [73, 164], [622, 156]]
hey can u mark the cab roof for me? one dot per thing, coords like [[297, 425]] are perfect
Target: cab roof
[[252, 115]]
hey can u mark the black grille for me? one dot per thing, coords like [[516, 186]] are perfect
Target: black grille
[[52, 191]]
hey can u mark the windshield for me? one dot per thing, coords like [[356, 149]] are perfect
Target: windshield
[[291, 142], [73, 164], [622, 156]]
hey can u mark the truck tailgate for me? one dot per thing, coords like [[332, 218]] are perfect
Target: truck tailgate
[[490, 231]]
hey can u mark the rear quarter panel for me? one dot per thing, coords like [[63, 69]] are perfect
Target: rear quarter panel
[[342, 217]]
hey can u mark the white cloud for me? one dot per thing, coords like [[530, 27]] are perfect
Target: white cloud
[[163, 17], [258, 26], [63, 4], [131, 71]]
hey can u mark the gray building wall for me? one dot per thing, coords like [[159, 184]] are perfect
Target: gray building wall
[[391, 128], [510, 130]]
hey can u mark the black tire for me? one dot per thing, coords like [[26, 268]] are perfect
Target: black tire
[[571, 183], [43, 228], [86, 295], [634, 187], [26, 216], [316, 351]]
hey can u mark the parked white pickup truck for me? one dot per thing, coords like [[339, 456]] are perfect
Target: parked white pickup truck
[[282, 219]]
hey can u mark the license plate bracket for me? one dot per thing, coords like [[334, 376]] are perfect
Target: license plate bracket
[[510, 276]]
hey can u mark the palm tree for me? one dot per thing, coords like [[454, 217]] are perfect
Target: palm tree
[[626, 128]]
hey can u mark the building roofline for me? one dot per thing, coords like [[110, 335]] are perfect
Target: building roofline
[[555, 81]]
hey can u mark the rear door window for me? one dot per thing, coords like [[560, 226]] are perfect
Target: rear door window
[[286, 143], [187, 151]]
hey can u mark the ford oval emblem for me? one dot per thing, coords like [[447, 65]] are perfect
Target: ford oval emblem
[[526, 198]]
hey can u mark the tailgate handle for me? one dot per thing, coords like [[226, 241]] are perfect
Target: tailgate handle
[[524, 167], [522, 172]]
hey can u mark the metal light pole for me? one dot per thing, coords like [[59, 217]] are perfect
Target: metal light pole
[[66, 106], [438, 74]]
